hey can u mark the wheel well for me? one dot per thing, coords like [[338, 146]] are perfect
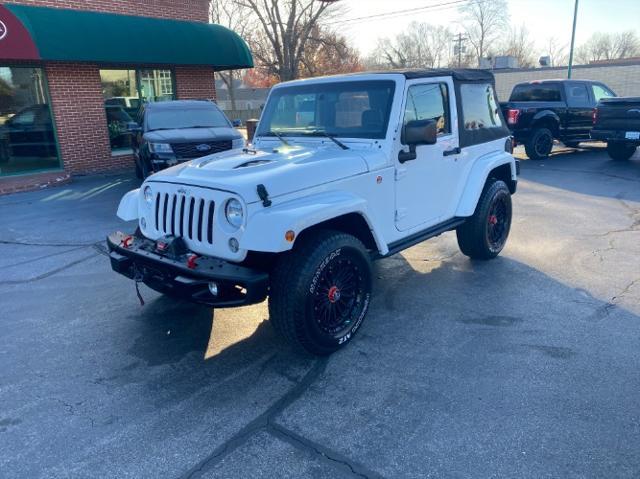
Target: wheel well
[[550, 123], [503, 172], [351, 223]]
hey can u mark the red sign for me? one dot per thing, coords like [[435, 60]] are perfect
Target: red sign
[[15, 41]]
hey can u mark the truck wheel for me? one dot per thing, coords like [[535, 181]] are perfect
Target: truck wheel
[[620, 151], [539, 144], [320, 291], [483, 235]]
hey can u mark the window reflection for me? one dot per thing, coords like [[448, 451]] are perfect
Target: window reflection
[[27, 139]]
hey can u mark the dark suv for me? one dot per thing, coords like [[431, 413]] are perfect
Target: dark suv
[[175, 131]]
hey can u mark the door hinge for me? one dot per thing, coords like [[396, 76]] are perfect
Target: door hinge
[[400, 173], [401, 213]]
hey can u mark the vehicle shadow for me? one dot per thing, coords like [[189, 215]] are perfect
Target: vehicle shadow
[[414, 300], [587, 170]]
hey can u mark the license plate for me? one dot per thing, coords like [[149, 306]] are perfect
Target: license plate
[[632, 135]]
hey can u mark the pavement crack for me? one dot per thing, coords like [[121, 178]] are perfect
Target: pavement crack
[[326, 454], [48, 273], [55, 245], [51, 255], [259, 423]]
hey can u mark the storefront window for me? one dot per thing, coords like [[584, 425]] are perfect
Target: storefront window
[[124, 91], [27, 138]]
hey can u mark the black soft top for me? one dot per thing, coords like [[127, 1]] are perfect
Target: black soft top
[[459, 74]]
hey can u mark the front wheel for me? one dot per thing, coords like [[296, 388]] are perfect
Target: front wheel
[[320, 291], [483, 235], [620, 151], [540, 144]]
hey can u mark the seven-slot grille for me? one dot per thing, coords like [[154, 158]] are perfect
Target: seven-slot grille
[[187, 216], [190, 150]]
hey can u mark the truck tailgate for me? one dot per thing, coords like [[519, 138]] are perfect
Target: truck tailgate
[[618, 114]]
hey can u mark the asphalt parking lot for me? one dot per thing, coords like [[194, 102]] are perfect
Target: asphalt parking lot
[[525, 366]]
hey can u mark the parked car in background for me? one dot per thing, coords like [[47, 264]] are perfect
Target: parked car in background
[[119, 123], [540, 111], [171, 132], [28, 133], [617, 121], [130, 104]]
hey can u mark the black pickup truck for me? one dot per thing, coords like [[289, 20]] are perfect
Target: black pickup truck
[[540, 111], [617, 121]]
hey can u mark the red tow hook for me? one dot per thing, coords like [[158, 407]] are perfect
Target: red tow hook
[[191, 261], [126, 241]]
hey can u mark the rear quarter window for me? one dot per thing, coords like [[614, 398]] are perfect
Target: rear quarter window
[[536, 92], [480, 108]]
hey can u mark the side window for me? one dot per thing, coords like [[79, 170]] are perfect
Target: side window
[[600, 92], [429, 102], [479, 106], [577, 95]]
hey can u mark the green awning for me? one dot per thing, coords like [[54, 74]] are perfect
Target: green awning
[[56, 34]]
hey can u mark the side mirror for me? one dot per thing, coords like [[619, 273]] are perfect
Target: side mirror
[[133, 127], [417, 132]]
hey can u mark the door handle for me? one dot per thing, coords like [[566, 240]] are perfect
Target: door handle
[[455, 151]]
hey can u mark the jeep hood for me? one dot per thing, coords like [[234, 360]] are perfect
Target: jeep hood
[[281, 171]]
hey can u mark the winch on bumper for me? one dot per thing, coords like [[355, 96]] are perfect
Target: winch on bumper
[[168, 266]]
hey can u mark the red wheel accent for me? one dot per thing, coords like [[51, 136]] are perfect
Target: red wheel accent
[[493, 219], [333, 294]]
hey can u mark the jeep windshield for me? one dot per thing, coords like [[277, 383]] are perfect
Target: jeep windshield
[[174, 118], [352, 109]]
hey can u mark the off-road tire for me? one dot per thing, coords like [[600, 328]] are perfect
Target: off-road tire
[[620, 151], [298, 301], [478, 237], [540, 144]]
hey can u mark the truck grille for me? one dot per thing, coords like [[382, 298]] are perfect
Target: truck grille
[[187, 216], [190, 150]]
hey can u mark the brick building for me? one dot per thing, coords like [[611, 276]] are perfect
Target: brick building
[[73, 74]]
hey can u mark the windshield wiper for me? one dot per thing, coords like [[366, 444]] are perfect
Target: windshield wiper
[[330, 136], [279, 136]]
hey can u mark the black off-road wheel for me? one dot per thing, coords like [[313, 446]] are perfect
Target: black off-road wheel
[[485, 233], [620, 151], [320, 291], [540, 144]]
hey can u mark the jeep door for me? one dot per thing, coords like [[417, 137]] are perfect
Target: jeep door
[[426, 187]]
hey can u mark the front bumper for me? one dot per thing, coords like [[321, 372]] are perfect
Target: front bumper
[[139, 260]]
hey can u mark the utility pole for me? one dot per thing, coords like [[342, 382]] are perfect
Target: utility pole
[[458, 48], [573, 39]]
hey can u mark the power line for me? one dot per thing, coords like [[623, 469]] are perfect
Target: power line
[[400, 12]]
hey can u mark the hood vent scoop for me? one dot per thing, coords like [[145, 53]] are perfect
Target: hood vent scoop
[[253, 163]]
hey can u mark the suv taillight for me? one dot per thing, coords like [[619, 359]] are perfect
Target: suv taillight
[[512, 116], [594, 115]]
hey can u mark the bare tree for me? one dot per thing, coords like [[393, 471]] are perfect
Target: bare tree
[[283, 32], [421, 46], [519, 44], [230, 15], [608, 46], [557, 52], [328, 53], [483, 22]]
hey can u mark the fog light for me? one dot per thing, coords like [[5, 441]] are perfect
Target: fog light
[[234, 246], [213, 288], [143, 223]]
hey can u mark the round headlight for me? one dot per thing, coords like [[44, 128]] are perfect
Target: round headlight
[[233, 212], [148, 194]]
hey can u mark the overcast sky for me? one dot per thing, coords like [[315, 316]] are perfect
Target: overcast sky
[[543, 18]]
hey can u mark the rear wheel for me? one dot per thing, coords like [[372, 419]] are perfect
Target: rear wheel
[[320, 291], [483, 235], [620, 151], [539, 144]]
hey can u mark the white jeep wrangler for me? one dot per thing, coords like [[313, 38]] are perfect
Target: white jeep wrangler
[[342, 170]]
